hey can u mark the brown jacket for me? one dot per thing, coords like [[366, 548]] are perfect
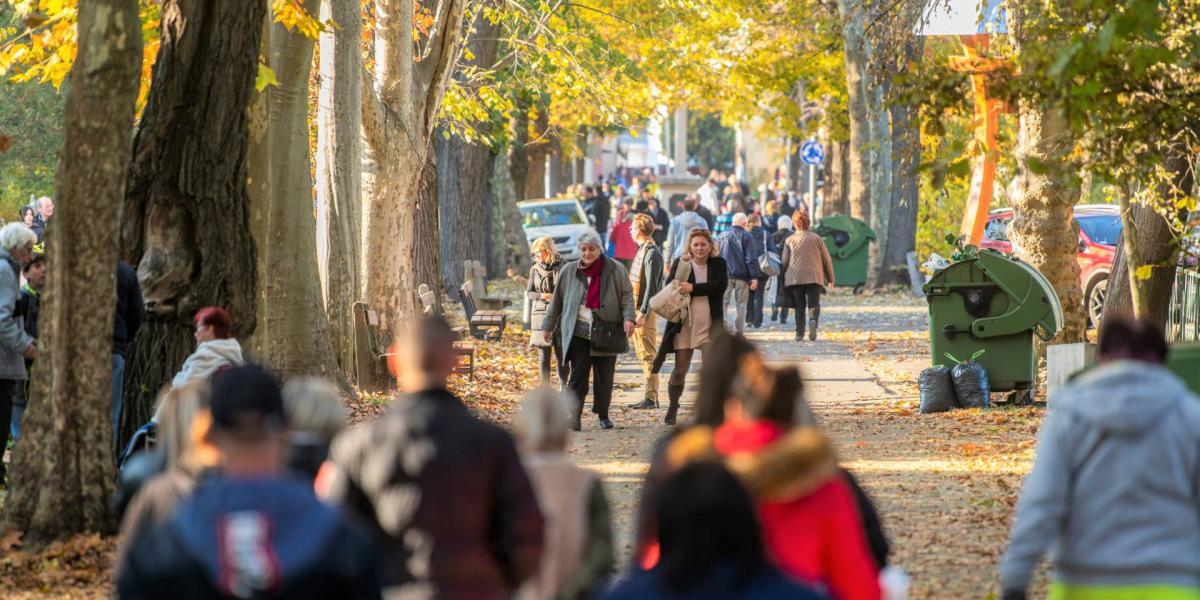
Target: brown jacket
[[806, 260]]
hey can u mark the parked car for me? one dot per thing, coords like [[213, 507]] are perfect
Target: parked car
[[1099, 228], [562, 219]]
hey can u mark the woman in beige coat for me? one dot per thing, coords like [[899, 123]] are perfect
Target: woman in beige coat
[[807, 271]]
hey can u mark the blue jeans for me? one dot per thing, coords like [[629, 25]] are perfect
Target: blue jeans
[[18, 409], [118, 387]]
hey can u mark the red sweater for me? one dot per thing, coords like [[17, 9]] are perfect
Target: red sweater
[[816, 537]]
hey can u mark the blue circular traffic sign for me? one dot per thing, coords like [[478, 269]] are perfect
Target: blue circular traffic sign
[[812, 153]]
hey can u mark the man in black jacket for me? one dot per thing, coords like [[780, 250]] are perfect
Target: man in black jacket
[[131, 311], [451, 506], [251, 530]]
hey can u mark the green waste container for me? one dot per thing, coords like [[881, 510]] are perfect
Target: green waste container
[[996, 304], [1184, 360], [847, 239]]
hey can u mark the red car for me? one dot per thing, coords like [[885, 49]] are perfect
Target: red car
[[1099, 228]]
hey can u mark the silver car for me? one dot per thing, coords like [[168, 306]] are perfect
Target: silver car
[[562, 219]]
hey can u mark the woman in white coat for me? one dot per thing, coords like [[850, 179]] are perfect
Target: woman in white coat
[[216, 348]]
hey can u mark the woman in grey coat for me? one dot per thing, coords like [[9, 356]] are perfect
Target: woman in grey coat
[[16, 249], [592, 295]]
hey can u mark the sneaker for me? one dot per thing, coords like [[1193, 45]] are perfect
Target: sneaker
[[605, 423], [646, 403]]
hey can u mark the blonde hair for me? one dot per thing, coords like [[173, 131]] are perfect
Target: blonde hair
[[644, 224], [706, 234], [542, 421], [183, 419], [546, 244], [314, 405]]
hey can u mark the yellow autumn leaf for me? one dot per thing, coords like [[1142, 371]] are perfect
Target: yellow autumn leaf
[[265, 77], [1143, 272]]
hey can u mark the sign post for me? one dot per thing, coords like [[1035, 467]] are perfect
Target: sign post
[[813, 154]]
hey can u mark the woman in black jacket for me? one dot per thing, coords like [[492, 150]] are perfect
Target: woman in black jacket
[[783, 231], [542, 277], [706, 284]]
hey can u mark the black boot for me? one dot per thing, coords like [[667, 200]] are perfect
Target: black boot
[[774, 313], [813, 316], [645, 403], [674, 392]]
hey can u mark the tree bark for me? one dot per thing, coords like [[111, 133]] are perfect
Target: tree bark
[[905, 195], [837, 202], [1043, 231], [339, 172], [398, 119], [428, 258], [62, 469], [258, 183], [513, 256], [464, 187], [1154, 243], [857, 90], [187, 205], [297, 337], [881, 183]]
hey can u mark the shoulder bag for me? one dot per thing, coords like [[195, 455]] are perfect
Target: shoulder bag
[[608, 336], [768, 262], [671, 302]]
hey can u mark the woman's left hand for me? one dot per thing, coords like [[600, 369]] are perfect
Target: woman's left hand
[[628, 328]]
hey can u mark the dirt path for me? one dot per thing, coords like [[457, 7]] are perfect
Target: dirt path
[[945, 484]]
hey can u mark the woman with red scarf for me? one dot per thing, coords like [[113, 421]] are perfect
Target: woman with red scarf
[[592, 313]]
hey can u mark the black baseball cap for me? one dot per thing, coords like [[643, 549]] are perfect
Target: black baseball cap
[[247, 399]]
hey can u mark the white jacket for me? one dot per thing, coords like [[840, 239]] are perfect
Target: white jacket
[[207, 358]]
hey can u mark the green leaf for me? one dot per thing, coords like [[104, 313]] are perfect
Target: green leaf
[[265, 77]]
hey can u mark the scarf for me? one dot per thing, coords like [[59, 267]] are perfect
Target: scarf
[[592, 272]]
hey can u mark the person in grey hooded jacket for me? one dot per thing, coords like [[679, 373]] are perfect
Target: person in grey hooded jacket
[[16, 249], [1115, 487]]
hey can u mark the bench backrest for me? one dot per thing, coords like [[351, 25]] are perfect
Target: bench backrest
[[468, 299]]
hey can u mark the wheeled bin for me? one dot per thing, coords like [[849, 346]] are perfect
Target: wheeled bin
[[847, 239], [996, 304]]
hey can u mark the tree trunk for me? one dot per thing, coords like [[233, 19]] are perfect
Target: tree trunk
[[1152, 241], [905, 196], [187, 204], [62, 469], [464, 187], [297, 337], [464, 198], [857, 90], [517, 154], [837, 201], [339, 172], [881, 183], [258, 183], [398, 119], [513, 256], [428, 258], [536, 148]]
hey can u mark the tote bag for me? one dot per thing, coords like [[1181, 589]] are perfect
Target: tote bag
[[671, 302]]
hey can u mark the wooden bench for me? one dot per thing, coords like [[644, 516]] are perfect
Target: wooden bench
[[483, 324], [476, 275], [371, 354]]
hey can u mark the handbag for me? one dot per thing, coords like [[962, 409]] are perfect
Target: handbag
[[537, 325], [768, 262], [608, 336], [671, 303]]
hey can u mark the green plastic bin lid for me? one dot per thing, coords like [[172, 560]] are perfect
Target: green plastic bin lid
[[1052, 321]]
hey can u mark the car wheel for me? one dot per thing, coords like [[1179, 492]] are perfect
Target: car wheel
[[1096, 294]]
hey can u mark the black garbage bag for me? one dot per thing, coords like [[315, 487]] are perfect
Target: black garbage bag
[[971, 385], [937, 390]]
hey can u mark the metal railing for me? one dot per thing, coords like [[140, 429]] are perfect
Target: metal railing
[[1183, 317]]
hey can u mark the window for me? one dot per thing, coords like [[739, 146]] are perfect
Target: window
[[996, 229], [545, 215], [1101, 229]]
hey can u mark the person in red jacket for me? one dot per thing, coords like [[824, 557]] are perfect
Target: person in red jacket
[[624, 246], [810, 516]]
